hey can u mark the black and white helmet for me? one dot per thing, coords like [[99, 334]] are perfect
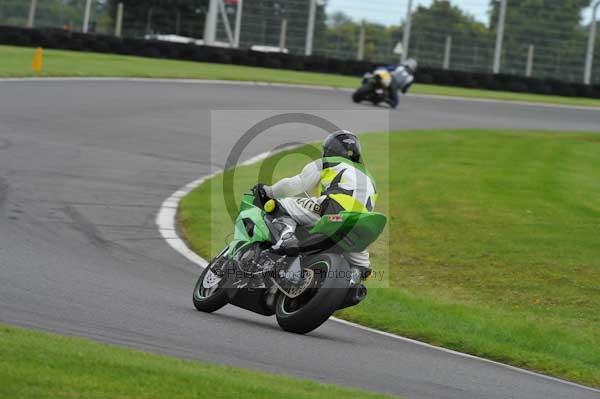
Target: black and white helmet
[[342, 143]]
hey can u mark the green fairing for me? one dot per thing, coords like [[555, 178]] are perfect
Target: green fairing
[[260, 231], [247, 202], [352, 231]]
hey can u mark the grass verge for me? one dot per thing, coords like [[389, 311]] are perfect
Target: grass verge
[[16, 62], [41, 365], [495, 243]]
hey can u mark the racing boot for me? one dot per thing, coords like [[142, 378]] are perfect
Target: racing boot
[[292, 275], [286, 241]]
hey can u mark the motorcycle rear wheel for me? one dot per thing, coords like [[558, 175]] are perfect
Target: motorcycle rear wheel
[[209, 294], [312, 308]]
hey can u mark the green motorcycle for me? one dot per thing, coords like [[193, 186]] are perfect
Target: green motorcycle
[[250, 275]]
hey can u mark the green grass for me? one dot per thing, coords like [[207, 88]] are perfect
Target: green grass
[[494, 243], [40, 365], [16, 62]]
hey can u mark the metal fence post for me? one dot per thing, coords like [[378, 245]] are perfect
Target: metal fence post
[[589, 58], [31, 18], [360, 55], [210, 27], [149, 20], [283, 34], [310, 31], [223, 12], [407, 29], [499, 36], [119, 22], [447, 52], [529, 68], [238, 22], [86, 15]]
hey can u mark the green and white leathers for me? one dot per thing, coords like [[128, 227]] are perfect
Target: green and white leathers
[[340, 181], [340, 185], [348, 183]]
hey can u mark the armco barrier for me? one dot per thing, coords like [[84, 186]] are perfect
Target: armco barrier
[[60, 39]]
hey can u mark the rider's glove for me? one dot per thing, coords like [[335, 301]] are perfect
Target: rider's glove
[[260, 192]]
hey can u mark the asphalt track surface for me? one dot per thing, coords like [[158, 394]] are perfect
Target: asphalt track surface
[[84, 168]]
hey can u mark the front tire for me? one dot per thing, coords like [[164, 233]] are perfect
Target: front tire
[[362, 93], [311, 309], [209, 294]]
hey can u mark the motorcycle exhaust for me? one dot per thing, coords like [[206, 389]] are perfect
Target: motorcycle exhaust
[[355, 296]]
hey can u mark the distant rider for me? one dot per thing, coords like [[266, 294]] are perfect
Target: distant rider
[[402, 77]]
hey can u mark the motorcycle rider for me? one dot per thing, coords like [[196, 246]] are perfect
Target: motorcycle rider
[[402, 77], [342, 183]]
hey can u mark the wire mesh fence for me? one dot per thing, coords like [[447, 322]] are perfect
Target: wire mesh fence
[[544, 39], [63, 14]]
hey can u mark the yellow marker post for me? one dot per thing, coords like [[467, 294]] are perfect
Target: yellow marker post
[[38, 60]]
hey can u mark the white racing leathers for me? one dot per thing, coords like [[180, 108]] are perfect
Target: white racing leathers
[[403, 78], [291, 193]]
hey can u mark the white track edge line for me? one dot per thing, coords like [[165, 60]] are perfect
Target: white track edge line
[[466, 355], [166, 220], [293, 86]]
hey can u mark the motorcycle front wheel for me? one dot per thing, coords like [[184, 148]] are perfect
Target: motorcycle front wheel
[[314, 306], [209, 294], [362, 92]]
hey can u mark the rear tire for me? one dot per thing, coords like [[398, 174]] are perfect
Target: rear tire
[[332, 287], [210, 300]]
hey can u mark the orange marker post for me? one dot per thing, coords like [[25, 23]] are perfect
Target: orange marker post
[[38, 60]]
